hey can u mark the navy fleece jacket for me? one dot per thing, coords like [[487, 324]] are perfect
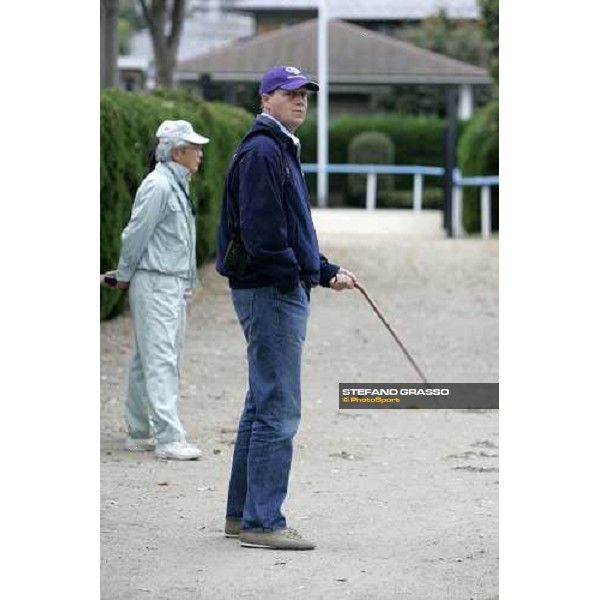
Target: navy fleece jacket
[[267, 200]]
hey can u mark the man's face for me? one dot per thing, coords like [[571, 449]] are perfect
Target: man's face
[[288, 107], [189, 156]]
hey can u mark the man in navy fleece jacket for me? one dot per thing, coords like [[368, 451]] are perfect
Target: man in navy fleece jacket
[[266, 207]]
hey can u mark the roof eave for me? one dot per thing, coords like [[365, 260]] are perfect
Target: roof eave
[[254, 77]]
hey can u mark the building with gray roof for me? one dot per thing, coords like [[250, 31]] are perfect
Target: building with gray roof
[[361, 62]]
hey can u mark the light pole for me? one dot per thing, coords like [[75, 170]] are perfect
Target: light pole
[[323, 107]]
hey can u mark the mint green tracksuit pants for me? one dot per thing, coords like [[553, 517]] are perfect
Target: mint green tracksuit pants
[[158, 310]]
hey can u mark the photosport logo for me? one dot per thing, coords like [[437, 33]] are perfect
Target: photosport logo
[[468, 396]]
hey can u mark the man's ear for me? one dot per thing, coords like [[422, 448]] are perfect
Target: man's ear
[[264, 98]]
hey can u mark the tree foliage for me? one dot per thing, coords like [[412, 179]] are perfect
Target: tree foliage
[[130, 11], [462, 40], [490, 16], [131, 20]]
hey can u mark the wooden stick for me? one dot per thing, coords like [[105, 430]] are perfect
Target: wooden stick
[[378, 312]]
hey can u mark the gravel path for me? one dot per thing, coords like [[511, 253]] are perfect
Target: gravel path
[[402, 504]]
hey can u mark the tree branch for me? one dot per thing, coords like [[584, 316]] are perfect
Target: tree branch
[[154, 15], [165, 36], [146, 12], [177, 18]]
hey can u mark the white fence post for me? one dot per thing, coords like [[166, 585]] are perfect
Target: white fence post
[[417, 191], [486, 211], [371, 190], [457, 211]]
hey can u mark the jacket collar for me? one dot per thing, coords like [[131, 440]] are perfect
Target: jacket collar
[[281, 126], [181, 173], [267, 122]]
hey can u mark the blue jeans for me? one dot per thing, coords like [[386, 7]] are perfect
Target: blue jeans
[[274, 326]]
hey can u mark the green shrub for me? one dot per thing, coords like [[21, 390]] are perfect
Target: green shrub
[[477, 154], [128, 122], [375, 148], [417, 141]]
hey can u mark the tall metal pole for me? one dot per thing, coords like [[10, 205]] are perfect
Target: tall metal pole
[[323, 106], [449, 154]]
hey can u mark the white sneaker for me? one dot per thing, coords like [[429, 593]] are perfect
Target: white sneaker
[[178, 451], [139, 444]]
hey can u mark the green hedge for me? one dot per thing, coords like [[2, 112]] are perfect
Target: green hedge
[[478, 154], [128, 122], [417, 141], [433, 199]]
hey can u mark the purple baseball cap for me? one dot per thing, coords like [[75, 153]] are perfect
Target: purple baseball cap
[[285, 78]]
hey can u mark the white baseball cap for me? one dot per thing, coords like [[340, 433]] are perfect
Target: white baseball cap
[[173, 131]]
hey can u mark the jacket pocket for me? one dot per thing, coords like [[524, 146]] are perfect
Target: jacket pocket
[[174, 204], [175, 224]]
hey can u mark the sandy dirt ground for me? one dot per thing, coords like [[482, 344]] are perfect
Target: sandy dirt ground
[[401, 503]]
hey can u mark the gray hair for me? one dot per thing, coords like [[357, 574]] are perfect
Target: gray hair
[[164, 149]]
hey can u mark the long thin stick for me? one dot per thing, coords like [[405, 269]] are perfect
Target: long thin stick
[[374, 306]]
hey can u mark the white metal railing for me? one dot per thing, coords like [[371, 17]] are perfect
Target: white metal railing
[[418, 172], [485, 199], [371, 171]]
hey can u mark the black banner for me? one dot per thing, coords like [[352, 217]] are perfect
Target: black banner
[[473, 396]]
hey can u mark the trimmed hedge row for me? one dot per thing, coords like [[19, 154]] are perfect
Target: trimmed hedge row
[[478, 154], [417, 141], [128, 122]]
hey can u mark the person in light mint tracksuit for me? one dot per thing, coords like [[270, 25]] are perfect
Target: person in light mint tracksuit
[[158, 266]]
